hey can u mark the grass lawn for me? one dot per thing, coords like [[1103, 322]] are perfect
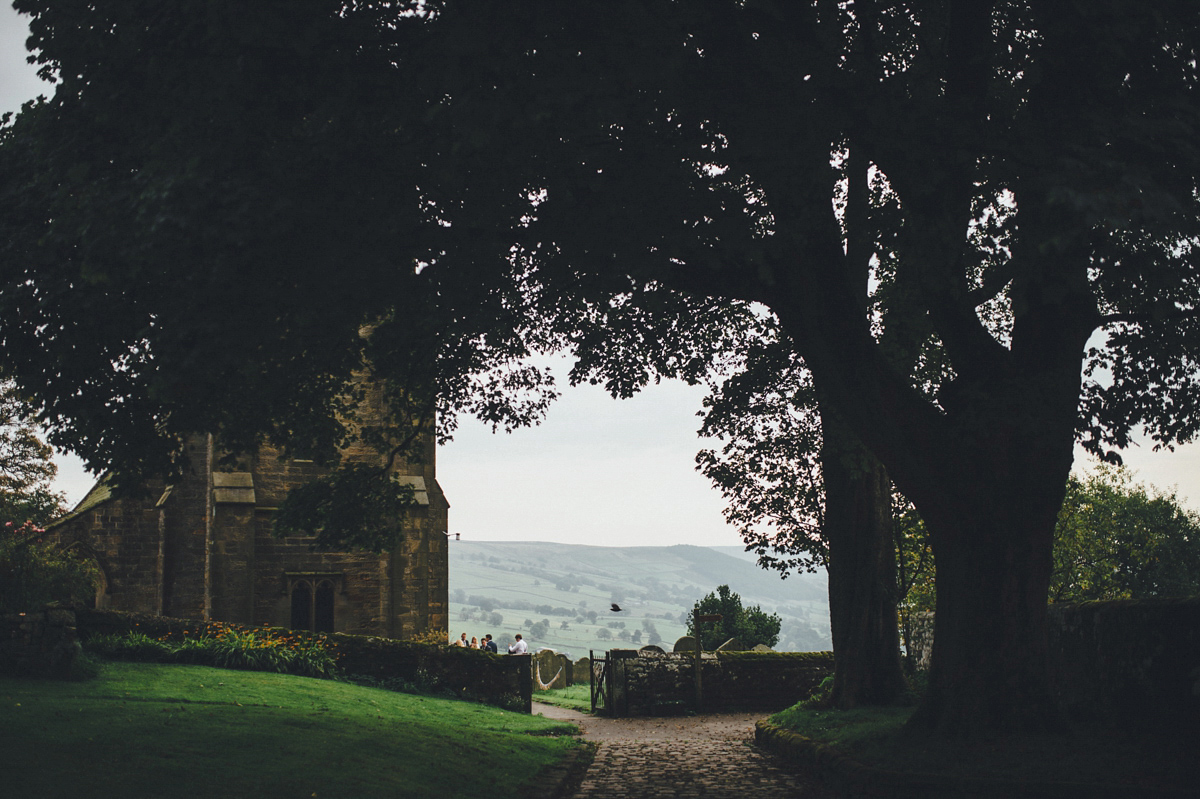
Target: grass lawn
[[149, 730], [575, 697], [876, 736]]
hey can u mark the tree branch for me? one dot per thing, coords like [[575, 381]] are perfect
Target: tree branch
[[1151, 316]]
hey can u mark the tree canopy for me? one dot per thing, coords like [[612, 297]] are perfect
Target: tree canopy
[[751, 626], [219, 201], [26, 467], [1117, 539]]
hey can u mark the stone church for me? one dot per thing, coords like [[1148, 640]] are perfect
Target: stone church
[[203, 548]]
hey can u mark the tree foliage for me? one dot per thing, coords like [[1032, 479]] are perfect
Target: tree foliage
[[751, 626], [768, 466], [35, 572], [241, 209], [357, 506], [215, 198], [26, 467], [1116, 539], [263, 212]]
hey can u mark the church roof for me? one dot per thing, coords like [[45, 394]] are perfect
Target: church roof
[[100, 493]]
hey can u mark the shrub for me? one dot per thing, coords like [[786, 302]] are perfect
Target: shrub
[[134, 646], [222, 646], [436, 637], [819, 699], [83, 667], [35, 573]]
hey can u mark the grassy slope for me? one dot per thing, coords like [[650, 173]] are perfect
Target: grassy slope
[[576, 697], [652, 582], [143, 730], [1090, 755]]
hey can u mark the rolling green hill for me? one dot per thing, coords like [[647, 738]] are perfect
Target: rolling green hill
[[559, 595], [155, 730]]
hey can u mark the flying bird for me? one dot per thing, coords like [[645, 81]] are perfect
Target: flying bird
[[616, 608]]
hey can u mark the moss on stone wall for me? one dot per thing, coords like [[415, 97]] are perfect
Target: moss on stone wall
[[39, 643], [1130, 661], [647, 684]]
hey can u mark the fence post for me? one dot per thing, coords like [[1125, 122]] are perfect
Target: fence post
[[592, 678], [696, 619]]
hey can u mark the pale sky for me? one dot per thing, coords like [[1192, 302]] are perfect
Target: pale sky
[[598, 471]]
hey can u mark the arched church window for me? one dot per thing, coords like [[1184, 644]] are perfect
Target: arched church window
[[312, 599], [323, 607], [302, 609]]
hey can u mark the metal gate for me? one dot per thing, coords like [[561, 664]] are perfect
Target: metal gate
[[600, 684]]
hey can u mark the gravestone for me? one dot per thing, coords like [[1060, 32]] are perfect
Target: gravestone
[[550, 670], [685, 644]]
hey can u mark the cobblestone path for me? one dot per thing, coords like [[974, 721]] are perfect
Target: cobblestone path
[[706, 756], [689, 768]]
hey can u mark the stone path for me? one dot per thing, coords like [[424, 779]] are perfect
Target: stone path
[[702, 756]]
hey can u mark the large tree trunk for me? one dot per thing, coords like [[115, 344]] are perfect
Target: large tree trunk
[[991, 526], [989, 666], [862, 572]]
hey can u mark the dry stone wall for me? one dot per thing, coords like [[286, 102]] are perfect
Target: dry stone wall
[[653, 684], [1129, 661], [39, 643]]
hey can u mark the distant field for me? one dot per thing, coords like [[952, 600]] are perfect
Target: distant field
[[533, 588]]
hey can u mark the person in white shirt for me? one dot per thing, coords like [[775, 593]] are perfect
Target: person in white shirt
[[518, 647]]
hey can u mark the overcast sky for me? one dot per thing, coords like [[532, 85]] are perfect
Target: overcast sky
[[598, 471]]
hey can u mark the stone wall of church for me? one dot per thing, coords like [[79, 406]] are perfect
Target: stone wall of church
[[207, 551], [360, 596], [124, 537], [420, 576], [182, 516]]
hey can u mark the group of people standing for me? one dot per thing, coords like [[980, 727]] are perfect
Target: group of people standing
[[486, 644], [518, 647]]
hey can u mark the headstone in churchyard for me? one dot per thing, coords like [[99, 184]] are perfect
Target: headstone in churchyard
[[549, 670], [762, 648], [652, 649], [732, 645], [685, 644], [581, 671]]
